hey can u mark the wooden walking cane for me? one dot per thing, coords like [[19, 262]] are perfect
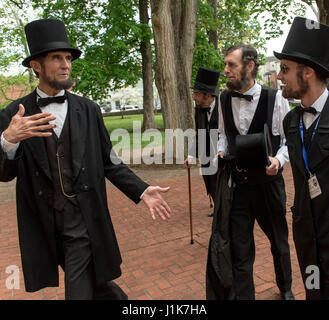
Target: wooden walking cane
[[190, 202]]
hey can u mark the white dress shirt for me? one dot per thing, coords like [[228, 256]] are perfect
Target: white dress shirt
[[318, 105], [212, 106], [243, 113], [59, 110]]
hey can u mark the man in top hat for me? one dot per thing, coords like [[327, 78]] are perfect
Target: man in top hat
[[204, 144], [56, 145], [259, 191], [304, 74]]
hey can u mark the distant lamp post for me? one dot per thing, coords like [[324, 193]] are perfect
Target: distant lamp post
[[268, 75], [274, 80]]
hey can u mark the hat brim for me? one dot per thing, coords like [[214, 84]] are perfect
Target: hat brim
[[205, 91], [303, 59], [76, 53], [267, 144]]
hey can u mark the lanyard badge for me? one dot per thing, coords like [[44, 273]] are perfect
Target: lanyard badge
[[313, 183]]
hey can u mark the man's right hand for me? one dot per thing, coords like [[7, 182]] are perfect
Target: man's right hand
[[21, 128], [187, 164]]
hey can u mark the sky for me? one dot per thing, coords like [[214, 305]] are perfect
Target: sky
[[277, 43]]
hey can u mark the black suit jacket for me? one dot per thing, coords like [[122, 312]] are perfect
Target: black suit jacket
[[93, 160], [310, 217]]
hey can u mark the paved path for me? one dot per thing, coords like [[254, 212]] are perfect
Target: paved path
[[158, 260]]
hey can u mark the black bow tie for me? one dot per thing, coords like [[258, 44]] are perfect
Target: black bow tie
[[42, 102], [301, 110], [205, 109], [243, 96]]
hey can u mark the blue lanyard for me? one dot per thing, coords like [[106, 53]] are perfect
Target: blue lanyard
[[305, 153]]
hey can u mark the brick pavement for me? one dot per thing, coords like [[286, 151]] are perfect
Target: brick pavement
[[158, 260]]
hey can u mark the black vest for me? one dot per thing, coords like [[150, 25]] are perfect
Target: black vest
[[263, 114], [61, 146], [308, 134]]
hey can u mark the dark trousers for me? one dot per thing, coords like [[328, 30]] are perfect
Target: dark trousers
[[265, 203], [75, 256]]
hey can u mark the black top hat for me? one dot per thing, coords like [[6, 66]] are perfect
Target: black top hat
[[206, 81], [253, 150], [47, 35], [307, 43]]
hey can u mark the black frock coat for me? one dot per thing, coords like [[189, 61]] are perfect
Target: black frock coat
[[92, 162], [201, 122], [310, 217]]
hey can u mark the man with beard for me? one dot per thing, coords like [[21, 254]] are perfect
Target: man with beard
[[259, 193], [304, 74], [206, 122], [56, 145]]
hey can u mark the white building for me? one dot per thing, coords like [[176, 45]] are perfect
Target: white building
[[270, 71]]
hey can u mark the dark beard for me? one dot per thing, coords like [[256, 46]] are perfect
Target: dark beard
[[297, 94], [59, 85], [239, 84]]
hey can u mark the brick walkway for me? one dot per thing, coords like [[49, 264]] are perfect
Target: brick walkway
[[158, 260]]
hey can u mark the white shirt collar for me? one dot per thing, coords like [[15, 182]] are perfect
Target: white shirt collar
[[212, 105], [320, 102], [41, 94], [254, 89]]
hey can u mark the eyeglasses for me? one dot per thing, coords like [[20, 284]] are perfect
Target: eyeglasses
[[284, 68]]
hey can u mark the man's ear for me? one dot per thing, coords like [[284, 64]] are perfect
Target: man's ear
[[308, 73], [250, 66], [35, 65]]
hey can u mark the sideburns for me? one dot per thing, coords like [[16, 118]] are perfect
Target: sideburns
[[239, 84], [303, 85]]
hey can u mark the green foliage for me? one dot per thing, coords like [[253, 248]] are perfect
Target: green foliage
[[281, 11], [12, 37], [109, 36], [233, 24], [205, 54]]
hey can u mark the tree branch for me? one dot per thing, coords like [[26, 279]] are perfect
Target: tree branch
[[18, 4]]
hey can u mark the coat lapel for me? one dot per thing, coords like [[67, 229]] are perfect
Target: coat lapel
[[214, 116], [36, 144], [320, 145], [294, 142], [78, 128]]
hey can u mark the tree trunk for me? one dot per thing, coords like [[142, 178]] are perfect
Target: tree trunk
[[146, 51], [174, 29], [323, 6], [213, 35]]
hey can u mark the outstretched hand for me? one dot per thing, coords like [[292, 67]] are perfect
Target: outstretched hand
[[155, 203], [21, 128]]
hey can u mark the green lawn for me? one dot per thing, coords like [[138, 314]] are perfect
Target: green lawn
[[116, 122], [121, 131]]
